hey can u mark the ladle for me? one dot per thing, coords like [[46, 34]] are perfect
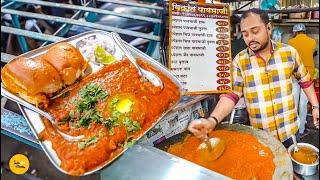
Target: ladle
[[214, 146], [294, 140]]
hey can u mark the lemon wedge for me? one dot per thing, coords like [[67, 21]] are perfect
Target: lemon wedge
[[102, 56], [108, 59], [124, 106]]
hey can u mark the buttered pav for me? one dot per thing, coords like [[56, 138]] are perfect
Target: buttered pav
[[31, 79], [67, 60]]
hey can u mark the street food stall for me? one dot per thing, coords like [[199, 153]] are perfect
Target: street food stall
[[117, 100]]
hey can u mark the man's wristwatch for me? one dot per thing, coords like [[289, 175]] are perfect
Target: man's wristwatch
[[315, 107]]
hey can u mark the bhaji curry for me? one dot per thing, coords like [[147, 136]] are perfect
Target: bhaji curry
[[111, 107], [305, 155], [243, 158]]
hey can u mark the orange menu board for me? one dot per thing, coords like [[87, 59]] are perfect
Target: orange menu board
[[199, 46]]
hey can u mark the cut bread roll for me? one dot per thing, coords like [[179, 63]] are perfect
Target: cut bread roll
[[31, 79]]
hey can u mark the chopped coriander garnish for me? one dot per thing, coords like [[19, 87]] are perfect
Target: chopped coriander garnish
[[129, 142], [84, 122], [111, 132], [101, 133], [73, 101], [87, 142], [90, 95], [132, 126], [109, 124], [71, 114], [63, 121], [114, 102], [86, 105], [81, 145], [115, 114]]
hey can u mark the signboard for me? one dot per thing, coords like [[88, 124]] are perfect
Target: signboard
[[199, 46]]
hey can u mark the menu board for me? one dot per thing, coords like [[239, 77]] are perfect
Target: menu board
[[199, 46]]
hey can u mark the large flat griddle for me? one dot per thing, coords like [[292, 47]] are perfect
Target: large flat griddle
[[282, 161]]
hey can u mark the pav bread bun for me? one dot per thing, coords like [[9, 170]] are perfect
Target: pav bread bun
[[31, 79], [67, 60]]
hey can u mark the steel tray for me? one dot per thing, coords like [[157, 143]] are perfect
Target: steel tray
[[34, 120]]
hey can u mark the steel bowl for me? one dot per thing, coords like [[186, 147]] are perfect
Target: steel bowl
[[304, 169]]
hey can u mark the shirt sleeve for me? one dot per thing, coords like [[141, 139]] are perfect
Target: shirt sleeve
[[232, 96], [306, 84], [301, 73], [237, 79]]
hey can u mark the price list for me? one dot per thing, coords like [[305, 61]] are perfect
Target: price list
[[199, 47]]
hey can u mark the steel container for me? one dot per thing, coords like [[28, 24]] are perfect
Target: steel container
[[304, 169]]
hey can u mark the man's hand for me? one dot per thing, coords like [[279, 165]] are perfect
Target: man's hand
[[201, 127], [315, 115]]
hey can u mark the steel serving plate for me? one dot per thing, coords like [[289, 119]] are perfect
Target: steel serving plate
[[82, 41]]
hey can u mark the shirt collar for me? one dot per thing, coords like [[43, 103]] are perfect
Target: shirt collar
[[273, 47]]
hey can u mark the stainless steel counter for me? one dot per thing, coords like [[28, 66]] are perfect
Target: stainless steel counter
[[149, 163]]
